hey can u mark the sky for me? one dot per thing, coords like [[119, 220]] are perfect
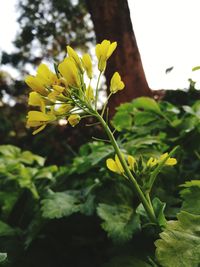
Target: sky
[[167, 34]]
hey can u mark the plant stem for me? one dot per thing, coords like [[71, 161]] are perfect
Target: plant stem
[[158, 168], [97, 88], [140, 194]]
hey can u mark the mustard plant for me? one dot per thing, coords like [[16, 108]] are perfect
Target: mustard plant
[[65, 94]]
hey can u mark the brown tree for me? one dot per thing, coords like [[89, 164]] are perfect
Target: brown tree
[[112, 21]]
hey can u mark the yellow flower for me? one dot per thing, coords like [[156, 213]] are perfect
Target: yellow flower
[[44, 78], [169, 161], [39, 119], [64, 108], [103, 52], [89, 93], [69, 71], [152, 162], [72, 54], [36, 100], [58, 88], [131, 161], [35, 84], [115, 165], [74, 119], [87, 64], [57, 91], [116, 83]]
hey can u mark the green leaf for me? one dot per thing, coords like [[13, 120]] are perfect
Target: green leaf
[[47, 173], [123, 117], [6, 230], [140, 142], [122, 120], [10, 151], [158, 207], [3, 256], [143, 118], [60, 204], [191, 196], [179, 245], [29, 158], [97, 152], [120, 221], [25, 180], [146, 103], [7, 201]]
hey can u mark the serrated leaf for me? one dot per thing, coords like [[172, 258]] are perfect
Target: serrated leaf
[[120, 221], [146, 103], [60, 204], [179, 245], [191, 196], [3, 256]]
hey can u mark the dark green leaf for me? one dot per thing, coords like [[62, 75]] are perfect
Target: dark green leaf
[[120, 221], [60, 204]]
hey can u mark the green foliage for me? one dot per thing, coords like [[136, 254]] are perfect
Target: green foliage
[[63, 204], [3, 256], [83, 207], [146, 103], [120, 222], [180, 242], [58, 205], [159, 208], [191, 196], [21, 168]]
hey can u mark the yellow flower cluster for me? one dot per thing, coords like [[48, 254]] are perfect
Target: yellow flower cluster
[[153, 161], [64, 94], [115, 165]]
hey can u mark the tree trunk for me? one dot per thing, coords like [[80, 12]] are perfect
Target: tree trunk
[[112, 21]]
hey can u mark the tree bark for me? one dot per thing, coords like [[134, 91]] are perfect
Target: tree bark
[[112, 21]]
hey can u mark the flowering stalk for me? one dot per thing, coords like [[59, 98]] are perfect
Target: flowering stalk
[[140, 194], [65, 95]]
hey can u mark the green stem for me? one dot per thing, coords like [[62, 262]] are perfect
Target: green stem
[[105, 104], [128, 173], [97, 90], [158, 169], [149, 200]]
